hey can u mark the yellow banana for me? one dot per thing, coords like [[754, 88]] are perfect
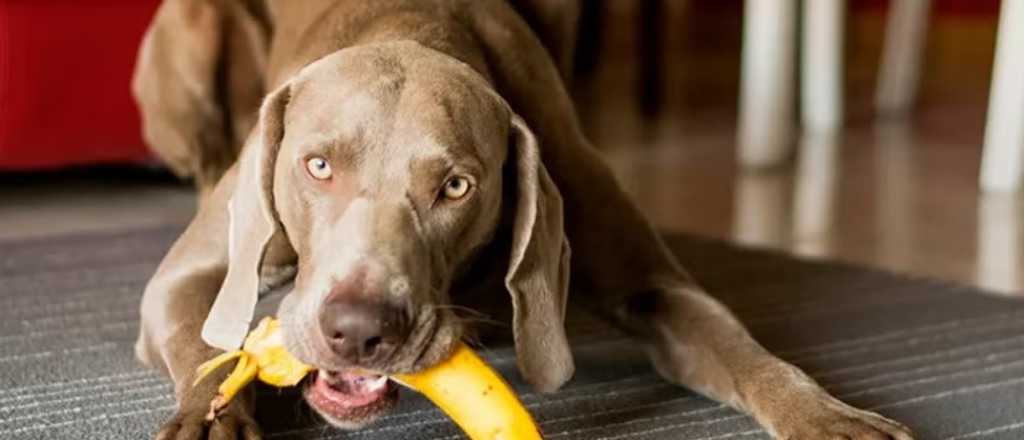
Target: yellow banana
[[464, 387], [475, 397], [262, 356], [245, 371]]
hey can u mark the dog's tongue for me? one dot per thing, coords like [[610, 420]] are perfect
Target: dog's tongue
[[350, 388]]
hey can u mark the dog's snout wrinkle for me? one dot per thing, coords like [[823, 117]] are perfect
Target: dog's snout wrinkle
[[354, 284]]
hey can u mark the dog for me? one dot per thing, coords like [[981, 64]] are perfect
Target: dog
[[400, 161]]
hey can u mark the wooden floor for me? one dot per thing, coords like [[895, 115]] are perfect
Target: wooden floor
[[897, 195]]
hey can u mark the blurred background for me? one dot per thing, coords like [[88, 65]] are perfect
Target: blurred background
[[892, 181]]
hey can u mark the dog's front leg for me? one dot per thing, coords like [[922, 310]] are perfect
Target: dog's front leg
[[696, 342], [174, 307]]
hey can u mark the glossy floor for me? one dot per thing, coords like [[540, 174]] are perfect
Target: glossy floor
[[886, 196]]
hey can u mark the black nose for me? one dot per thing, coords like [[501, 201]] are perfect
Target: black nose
[[362, 331]]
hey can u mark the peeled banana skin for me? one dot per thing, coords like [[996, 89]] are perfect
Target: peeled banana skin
[[476, 398], [262, 356]]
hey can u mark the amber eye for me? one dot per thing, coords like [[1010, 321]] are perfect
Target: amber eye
[[318, 168], [456, 188]]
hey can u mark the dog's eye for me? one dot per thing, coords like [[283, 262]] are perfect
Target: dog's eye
[[318, 168], [456, 188]]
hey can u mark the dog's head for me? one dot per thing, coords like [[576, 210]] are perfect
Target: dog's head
[[385, 168]]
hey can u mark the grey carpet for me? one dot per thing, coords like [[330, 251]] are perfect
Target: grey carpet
[[947, 360]]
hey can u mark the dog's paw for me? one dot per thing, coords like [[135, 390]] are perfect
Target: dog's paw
[[192, 425], [833, 420]]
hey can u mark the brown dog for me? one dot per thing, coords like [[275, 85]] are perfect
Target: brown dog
[[407, 150]]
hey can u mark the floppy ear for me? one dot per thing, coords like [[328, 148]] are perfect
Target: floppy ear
[[538, 273], [253, 223]]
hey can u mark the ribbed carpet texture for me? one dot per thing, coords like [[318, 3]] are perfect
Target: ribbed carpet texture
[[946, 360]]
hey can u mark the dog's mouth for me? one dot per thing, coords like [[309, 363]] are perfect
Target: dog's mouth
[[351, 398]]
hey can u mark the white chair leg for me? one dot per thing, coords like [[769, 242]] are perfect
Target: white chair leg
[[902, 56], [822, 65], [999, 243], [762, 209], [765, 135], [1002, 158], [814, 194]]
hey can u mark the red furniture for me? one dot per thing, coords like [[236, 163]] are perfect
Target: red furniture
[[65, 69]]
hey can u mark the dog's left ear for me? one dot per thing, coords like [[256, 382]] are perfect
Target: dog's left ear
[[538, 273]]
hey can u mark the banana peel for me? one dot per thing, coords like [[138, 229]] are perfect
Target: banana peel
[[469, 391], [262, 356]]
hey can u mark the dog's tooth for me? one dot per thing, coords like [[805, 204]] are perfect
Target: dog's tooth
[[377, 383]]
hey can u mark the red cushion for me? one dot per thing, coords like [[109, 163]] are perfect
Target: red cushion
[[65, 70]]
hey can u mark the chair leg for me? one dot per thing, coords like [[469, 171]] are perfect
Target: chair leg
[[902, 57], [814, 194], [1003, 154], [1000, 255], [822, 65], [765, 135]]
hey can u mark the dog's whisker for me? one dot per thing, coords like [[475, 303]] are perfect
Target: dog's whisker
[[458, 308], [468, 315], [488, 321]]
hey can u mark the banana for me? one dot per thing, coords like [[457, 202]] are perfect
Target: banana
[[475, 397], [262, 356], [472, 394]]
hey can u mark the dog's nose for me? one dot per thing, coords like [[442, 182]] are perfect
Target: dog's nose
[[362, 331]]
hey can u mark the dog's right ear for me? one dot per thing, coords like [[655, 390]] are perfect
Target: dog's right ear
[[253, 224], [538, 272]]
